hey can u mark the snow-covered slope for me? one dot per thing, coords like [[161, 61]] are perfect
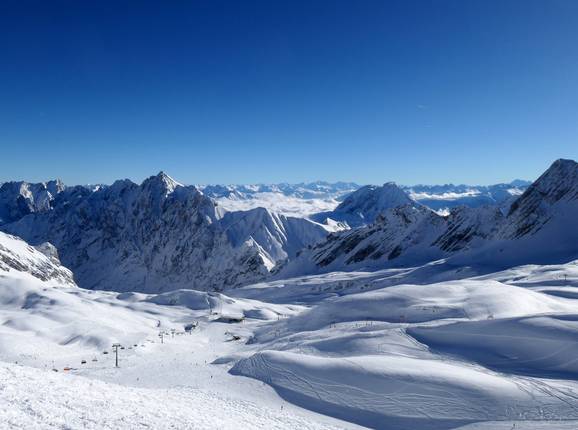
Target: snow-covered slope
[[42, 310], [401, 230], [42, 263], [469, 227], [277, 236], [364, 205], [395, 349], [553, 195], [487, 350], [65, 335], [161, 236], [538, 228], [48, 400]]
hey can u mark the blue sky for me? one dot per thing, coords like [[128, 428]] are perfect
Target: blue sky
[[242, 92]]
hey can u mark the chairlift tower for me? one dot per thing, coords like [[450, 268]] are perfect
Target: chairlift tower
[[115, 347]]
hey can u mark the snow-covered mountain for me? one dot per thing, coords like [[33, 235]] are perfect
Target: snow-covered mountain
[[539, 228], [433, 346], [311, 190], [276, 236], [320, 200], [445, 197], [43, 311], [364, 205], [317, 199], [18, 199], [392, 234], [40, 262], [553, 195], [161, 236]]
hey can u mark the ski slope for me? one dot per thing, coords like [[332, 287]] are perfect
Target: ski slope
[[39, 399]]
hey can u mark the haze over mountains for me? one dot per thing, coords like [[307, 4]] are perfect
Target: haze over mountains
[[315, 197]]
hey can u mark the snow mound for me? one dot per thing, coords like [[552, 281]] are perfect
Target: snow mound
[[395, 392], [536, 345], [465, 299], [220, 304]]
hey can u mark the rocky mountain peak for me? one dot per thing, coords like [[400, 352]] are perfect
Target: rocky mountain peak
[[162, 183], [534, 208]]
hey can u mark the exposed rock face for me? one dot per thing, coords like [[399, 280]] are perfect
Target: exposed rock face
[[394, 232], [17, 255], [543, 200], [277, 237], [18, 199], [50, 251], [540, 225], [161, 236], [468, 227]]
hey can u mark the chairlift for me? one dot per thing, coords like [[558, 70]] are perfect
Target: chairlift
[[105, 352], [94, 359], [83, 362]]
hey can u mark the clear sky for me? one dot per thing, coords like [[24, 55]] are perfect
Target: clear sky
[[474, 91]]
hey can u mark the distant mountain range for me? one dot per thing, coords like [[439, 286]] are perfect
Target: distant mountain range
[[311, 190], [440, 197], [21, 198], [539, 226], [309, 198], [162, 235], [157, 236]]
